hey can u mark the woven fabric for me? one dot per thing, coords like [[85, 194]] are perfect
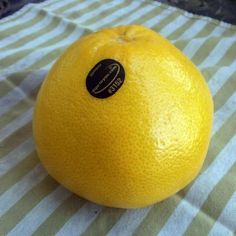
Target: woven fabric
[[31, 202]]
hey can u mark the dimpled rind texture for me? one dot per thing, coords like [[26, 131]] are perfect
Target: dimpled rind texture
[[137, 147]]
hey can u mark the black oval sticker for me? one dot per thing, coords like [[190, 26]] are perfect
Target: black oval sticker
[[105, 78]]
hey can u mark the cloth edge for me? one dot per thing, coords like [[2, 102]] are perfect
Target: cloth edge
[[192, 15], [157, 3]]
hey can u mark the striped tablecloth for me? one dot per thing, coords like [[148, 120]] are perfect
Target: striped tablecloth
[[31, 202]]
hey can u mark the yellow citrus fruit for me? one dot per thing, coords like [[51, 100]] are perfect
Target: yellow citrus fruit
[[123, 118]]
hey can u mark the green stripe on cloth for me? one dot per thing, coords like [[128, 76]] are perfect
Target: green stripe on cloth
[[16, 173], [13, 58], [23, 40], [58, 218], [20, 14], [43, 32], [227, 58], [225, 91], [208, 211], [104, 13], [149, 15], [104, 221], [11, 31], [22, 106], [181, 43], [180, 30], [157, 217], [93, 7], [25, 204], [15, 139], [124, 16], [67, 7], [12, 81]]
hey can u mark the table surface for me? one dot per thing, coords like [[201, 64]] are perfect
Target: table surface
[[223, 10]]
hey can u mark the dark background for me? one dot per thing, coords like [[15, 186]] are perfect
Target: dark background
[[224, 10]]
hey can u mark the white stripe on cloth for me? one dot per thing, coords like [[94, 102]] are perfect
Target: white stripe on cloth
[[49, 65], [80, 221], [6, 22], [155, 20], [15, 156], [59, 30], [40, 212], [179, 21], [97, 11], [55, 5], [29, 16], [133, 5], [19, 189], [220, 77], [48, 3], [192, 31], [35, 42], [129, 221], [51, 34], [17, 123], [136, 15], [21, 92], [188, 208], [220, 49], [193, 46], [226, 223], [224, 113], [81, 6], [166, 29], [38, 53], [44, 22]]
